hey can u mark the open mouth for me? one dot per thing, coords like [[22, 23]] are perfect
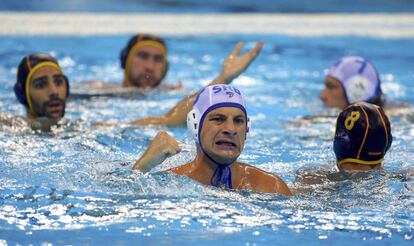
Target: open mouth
[[226, 143], [55, 106]]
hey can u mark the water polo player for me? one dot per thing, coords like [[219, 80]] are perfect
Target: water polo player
[[232, 67], [350, 80], [144, 60], [362, 137], [219, 124], [42, 88]]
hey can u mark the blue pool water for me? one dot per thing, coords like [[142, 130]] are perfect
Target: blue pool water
[[75, 185]]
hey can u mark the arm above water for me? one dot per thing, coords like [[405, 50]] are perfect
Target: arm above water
[[232, 67], [162, 146]]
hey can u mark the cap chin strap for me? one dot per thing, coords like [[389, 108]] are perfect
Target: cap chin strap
[[222, 174]]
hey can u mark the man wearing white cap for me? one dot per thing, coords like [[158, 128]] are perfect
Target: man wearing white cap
[[350, 80], [219, 124]]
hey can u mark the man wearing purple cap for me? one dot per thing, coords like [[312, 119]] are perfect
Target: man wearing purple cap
[[350, 80], [219, 124]]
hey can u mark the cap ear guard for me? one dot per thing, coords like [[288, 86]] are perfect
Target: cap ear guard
[[192, 123], [342, 144], [359, 89], [249, 124], [19, 92]]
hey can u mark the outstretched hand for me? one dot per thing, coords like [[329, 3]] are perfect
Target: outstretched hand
[[235, 64], [162, 146]]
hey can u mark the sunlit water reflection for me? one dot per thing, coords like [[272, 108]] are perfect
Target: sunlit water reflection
[[76, 183]]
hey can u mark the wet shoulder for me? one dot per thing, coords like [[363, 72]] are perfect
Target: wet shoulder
[[185, 169], [260, 180]]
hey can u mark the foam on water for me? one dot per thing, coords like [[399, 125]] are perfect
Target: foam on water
[[75, 185]]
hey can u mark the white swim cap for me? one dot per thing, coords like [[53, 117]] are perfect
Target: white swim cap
[[210, 98], [358, 77]]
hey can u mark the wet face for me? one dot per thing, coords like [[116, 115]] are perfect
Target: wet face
[[333, 95], [146, 67], [223, 133], [48, 89]]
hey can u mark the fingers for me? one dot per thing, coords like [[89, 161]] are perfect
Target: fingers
[[237, 49], [257, 49], [252, 53]]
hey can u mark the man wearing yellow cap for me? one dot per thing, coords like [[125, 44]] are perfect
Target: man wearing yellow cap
[[145, 64], [144, 61], [42, 88], [232, 67]]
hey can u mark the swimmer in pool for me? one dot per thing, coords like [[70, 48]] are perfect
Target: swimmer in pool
[[362, 138], [144, 61], [145, 64], [232, 67], [42, 88], [219, 124], [350, 80]]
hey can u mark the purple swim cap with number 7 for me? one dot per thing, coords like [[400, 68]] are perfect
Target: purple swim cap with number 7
[[358, 77]]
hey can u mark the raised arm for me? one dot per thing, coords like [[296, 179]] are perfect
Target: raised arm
[[162, 146], [232, 67]]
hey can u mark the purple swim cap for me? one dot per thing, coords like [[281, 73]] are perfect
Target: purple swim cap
[[358, 77], [210, 98]]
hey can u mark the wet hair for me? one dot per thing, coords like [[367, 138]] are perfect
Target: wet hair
[[363, 135], [28, 65], [133, 41]]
